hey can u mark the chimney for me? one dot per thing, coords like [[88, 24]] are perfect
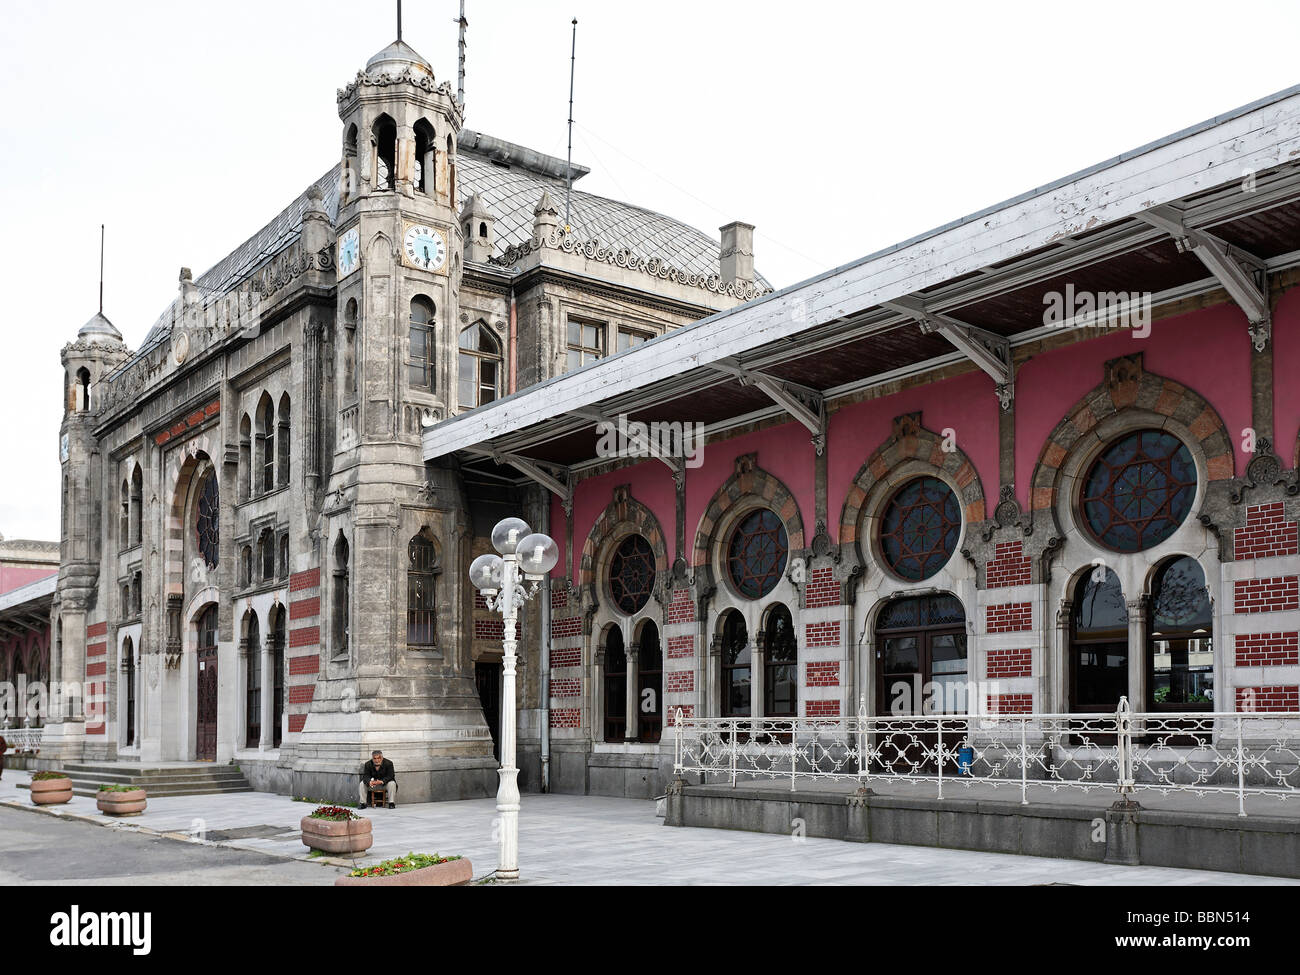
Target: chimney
[[479, 226], [736, 258]]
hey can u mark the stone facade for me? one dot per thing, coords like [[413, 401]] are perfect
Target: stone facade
[[244, 495]]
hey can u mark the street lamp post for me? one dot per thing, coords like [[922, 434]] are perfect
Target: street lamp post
[[530, 556]]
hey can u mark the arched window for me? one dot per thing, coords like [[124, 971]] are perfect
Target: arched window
[[282, 460], [384, 136], [124, 522], [83, 390], [1098, 643], [919, 528], [480, 367], [632, 574], [482, 229], [615, 685], [425, 157], [205, 720], [421, 592], [277, 673], [780, 665], [253, 682], [246, 566], [1180, 639], [1138, 491], [128, 682], [736, 661], [922, 647], [350, 346], [137, 505], [245, 458], [756, 553], [265, 444], [284, 556], [341, 619], [266, 553], [649, 684], [419, 362], [207, 520]]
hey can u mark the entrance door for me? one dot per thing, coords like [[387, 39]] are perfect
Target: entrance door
[[488, 678], [205, 722], [921, 668]]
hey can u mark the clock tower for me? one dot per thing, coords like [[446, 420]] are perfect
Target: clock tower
[[399, 258]]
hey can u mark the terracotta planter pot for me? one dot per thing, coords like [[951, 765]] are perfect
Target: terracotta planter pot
[[453, 873], [121, 803], [348, 836], [51, 792]]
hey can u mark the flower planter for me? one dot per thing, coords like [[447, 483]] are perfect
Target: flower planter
[[130, 803], [453, 873], [342, 836], [50, 792]]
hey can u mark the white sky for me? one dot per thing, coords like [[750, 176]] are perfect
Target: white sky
[[836, 128]]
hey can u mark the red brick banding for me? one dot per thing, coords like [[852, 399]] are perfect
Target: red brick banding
[[681, 646], [304, 665], [304, 608], [296, 723], [822, 673], [821, 709], [1010, 703], [822, 589], [1267, 649], [1010, 566], [309, 579], [1285, 697], [566, 687], [680, 682], [1272, 595], [569, 657], [1267, 533], [566, 717], [822, 634], [1010, 663], [1009, 617]]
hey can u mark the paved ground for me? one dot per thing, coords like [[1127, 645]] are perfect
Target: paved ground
[[563, 840]]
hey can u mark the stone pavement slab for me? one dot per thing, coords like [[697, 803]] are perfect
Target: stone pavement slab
[[596, 840]]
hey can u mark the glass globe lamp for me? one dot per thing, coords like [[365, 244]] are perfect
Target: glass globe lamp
[[485, 572], [508, 533], [538, 554]]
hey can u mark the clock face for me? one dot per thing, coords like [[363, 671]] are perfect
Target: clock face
[[349, 252], [425, 247]]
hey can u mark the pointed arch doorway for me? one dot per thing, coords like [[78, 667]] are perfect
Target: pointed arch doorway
[[205, 718]]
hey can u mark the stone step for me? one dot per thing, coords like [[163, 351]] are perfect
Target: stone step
[[158, 781], [158, 792]]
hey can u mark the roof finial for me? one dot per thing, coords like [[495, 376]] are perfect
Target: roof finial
[[101, 269], [399, 19]]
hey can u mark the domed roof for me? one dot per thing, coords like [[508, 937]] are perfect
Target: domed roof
[[99, 329], [397, 57]]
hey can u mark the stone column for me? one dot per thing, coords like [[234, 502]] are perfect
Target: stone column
[[632, 730], [311, 407]]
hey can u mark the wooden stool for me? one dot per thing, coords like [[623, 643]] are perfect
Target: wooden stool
[[379, 794]]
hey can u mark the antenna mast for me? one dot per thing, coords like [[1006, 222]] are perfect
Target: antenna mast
[[568, 171], [460, 81], [101, 269], [399, 19]]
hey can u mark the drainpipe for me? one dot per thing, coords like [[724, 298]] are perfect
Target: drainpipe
[[546, 626]]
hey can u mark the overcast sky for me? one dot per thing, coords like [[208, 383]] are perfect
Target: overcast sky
[[835, 128]]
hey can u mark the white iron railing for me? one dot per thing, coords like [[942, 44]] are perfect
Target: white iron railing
[[23, 739], [1197, 753]]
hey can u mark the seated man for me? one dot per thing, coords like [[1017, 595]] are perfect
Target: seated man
[[376, 772]]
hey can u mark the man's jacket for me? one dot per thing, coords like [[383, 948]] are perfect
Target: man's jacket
[[384, 773]]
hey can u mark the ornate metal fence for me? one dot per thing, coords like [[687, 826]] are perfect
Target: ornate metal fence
[[23, 739], [1197, 753]]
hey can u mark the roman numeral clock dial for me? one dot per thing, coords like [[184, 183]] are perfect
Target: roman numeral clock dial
[[425, 247]]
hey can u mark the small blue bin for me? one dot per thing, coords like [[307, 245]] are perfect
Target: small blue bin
[[965, 757]]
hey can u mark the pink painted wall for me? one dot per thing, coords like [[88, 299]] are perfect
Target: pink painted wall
[[1207, 351], [965, 403], [13, 577], [1286, 373]]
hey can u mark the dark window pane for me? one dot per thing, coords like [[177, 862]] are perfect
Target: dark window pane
[[756, 554], [920, 527], [1139, 490], [632, 574]]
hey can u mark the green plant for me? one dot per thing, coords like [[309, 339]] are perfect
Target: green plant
[[46, 776], [316, 854], [412, 861], [326, 802], [335, 814], [118, 788]]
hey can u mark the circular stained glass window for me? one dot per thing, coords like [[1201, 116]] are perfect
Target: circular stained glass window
[[207, 520], [919, 529], [756, 554], [632, 574], [1139, 491]]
